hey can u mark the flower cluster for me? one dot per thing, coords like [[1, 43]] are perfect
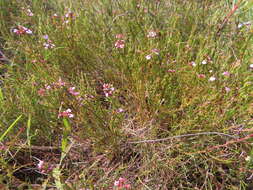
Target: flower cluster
[[108, 89], [201, 76], [67, 113], [42, 91], [120, 43], [44, 167], [171, 70], [59, 83], [119, 36], [68, 17], [49, 43], [29, 12], [193, 64], [153, 51], [152, 34], [69, 14], [226, 73], [121, 183], [72, 91], [212, 78], [22, 30], [247, 24]]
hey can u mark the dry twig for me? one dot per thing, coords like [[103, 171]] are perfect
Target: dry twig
[[181, 136]]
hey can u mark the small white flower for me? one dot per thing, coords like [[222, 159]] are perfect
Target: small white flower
[[148, 57], [29, 12], [28, 31], [47, 87], [40, 164], [210, 71], [15, 30], [152, 34], [248, 158], [251, 66], [193, 64], [204, 62], [71, 115], [116, 183], [244, 24], [120, 110], [68, 111], [227, 89], [211, 79]]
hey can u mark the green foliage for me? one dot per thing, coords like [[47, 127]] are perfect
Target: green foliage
[[140, 70]]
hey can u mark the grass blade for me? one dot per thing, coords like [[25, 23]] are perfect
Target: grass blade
[[9, 128]]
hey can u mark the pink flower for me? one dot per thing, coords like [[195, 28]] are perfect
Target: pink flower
[[151, 34], [122, 180], [119, 36], [155, 51], [127, 186], [171, 71], [44, 167], [22, 30], [41, 92], [60, 83], [227, 89], [72, 91], [69, 14], [121, 183], [226, 73], [120, 44], [40, 165], [108, 89], [201, 76], [29, 12], [66, 113], [89, 96]]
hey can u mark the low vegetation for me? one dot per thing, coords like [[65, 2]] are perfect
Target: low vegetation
[[126, 94]]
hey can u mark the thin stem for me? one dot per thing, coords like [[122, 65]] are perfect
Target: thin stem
[[181, 136]]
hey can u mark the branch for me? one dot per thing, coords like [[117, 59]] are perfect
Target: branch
[[181, 136], [236, 6]]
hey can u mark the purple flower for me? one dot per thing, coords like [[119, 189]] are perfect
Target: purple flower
[[226, 73]]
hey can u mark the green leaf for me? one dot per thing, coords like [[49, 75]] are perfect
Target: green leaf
[[9, 128], [57, 179]]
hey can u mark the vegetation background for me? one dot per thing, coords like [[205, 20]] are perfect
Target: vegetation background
[[126, 94]]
